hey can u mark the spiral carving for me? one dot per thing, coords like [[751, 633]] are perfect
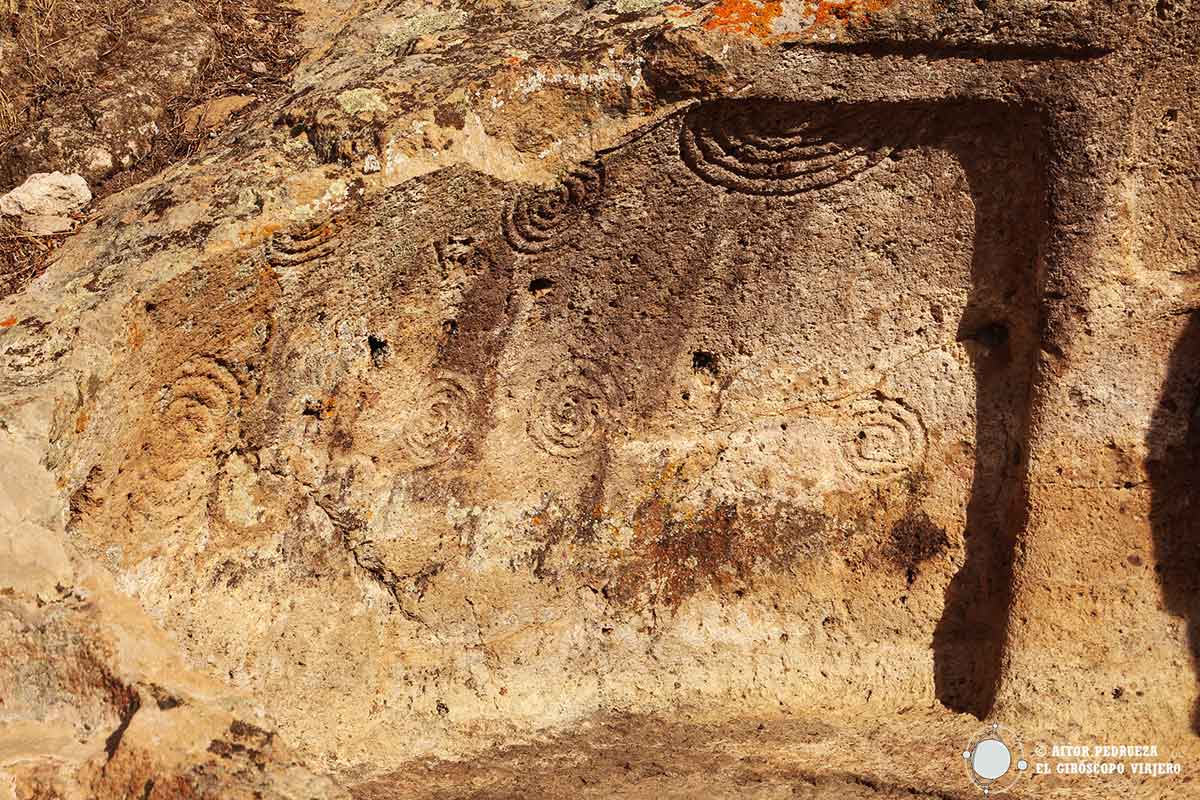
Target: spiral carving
[[884, 438], [304, 244], [545, 219], [195, 415], [574, 406], [775, 148], [440, 420]]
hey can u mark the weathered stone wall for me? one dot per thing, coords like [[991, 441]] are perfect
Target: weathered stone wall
[[657, 374]]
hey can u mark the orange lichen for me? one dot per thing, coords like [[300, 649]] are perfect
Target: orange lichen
[[746, 17], [81, 422], [8, 323], [136, 336], [756, 18], [841, 12], [258, 233]]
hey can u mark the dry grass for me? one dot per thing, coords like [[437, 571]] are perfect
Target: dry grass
[[39, 33], [22, 257], [8, 113], [256, 49]]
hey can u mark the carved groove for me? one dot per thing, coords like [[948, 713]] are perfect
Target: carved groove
[[441, 420], [195, 415], [545, 219], [773, 148], [574, 406], [291, 248], [885, 438]]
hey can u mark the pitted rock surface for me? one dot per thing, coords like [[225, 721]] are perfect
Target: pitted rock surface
[[742, 399]]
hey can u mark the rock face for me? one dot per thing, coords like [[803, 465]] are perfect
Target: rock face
[[731, 400]]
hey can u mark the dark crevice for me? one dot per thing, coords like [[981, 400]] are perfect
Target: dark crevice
[[380, 350], [1173, 464], [935, 51], [540, 286], [114, 739], [704, 361]]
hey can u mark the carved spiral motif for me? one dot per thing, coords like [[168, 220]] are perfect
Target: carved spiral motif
[[543, 220], [573, 407], [440, 420], [196, 413], [305, 244], [884, 438], [774, 148]]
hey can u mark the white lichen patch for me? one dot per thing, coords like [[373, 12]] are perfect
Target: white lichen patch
[[336, 193], [627, 6], [395, 36], [362, 101], [605, 76]]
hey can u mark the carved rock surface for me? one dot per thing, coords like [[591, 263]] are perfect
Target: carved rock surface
[[740, 399]]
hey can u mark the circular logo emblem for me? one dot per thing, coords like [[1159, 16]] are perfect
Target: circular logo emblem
[[995, 760]]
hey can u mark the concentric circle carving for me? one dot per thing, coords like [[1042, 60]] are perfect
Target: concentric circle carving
[[195, 417], [574, 405], [883, 438], [198, 406], [544, 219], [775, 148], [302, 244], [440, 420]]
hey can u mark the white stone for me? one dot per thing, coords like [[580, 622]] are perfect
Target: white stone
[[47, 194], [97, 161]]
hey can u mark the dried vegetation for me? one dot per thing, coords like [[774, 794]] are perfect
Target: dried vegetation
[[41, 67]]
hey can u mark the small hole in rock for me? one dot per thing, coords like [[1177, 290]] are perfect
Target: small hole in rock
[[539, 287], [994, 334], [450, 327], [380, 350], [704, 361]]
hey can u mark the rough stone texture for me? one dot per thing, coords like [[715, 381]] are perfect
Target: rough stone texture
[[214, 113], [729, 400]]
